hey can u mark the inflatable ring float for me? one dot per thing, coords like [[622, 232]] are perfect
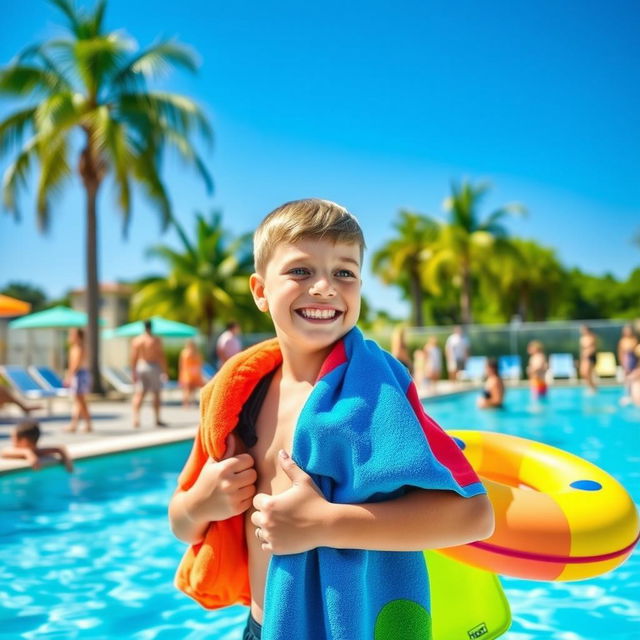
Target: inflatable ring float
[[558, 517]]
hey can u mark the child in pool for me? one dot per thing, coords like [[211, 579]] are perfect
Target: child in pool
[[24, 445], [308, 257]]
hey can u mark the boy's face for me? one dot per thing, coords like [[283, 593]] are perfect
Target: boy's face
[[312, 291]]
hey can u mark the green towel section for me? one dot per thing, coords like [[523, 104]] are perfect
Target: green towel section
[[466, 603]]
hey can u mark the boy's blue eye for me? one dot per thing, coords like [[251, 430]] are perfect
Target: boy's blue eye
[[345, 273], [298, 271]]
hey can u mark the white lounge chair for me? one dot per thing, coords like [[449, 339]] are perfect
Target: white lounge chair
[[474, 369], [562, 365], [118, 378]]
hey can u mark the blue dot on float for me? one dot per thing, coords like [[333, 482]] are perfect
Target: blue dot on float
[[460, 443], [586, 485]]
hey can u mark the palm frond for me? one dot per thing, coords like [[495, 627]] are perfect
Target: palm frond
[[159, 110], [54, 171], [67, 7], [152, 63], [40, 53], [15, 176], [145, 170], [12, 128], [23, 80]]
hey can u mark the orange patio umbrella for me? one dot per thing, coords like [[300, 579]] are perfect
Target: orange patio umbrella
[[10, 307]]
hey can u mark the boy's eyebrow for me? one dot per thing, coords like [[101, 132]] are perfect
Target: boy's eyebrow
[[304, 256]]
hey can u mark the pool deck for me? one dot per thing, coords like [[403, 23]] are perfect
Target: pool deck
[[112, 428]]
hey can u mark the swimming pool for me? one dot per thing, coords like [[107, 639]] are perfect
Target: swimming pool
[[90, 555]]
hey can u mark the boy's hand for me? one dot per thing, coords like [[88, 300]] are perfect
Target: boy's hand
[[225, 488], [292, 521]]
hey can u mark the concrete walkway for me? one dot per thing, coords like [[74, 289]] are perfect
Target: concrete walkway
[[112, 428]]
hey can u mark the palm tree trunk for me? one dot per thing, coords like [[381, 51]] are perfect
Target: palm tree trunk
[[93, 289], [465, 296], [416, 299]]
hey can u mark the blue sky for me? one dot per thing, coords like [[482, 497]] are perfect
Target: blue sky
[[376, 105]]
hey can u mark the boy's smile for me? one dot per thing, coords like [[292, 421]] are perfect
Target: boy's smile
[[312, 291]]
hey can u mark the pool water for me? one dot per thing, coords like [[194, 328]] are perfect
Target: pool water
[[90, 554]]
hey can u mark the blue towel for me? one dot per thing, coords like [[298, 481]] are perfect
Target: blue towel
[[363, 437]]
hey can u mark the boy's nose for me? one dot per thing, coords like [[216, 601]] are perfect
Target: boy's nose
[[322, 287]]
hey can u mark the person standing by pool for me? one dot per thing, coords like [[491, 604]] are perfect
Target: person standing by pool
[[399, 348], [537, 369], [228, 344], [493, 392], [190, 371], [315, 556], [588, 348], [78, 379], [456, 350], [433, 360], [627, 345], [149, 372]]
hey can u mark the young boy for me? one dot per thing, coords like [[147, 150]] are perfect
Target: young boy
[[24, 444], [319, 523]]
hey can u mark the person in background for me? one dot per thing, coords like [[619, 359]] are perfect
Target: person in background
[[588, 349], [24, 445], [493, 392], [399, 347], [433, 360], [633, 380], [537, 369], [627, 345], [190, 371], [149, 372], [228, 343], [78, 379], [456, 352]]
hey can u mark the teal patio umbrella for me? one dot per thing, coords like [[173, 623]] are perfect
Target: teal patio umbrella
[[54, 318], [159, 327]]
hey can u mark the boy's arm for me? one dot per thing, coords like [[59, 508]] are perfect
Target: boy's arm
[[22, 452], [61, 452], [301, 518]]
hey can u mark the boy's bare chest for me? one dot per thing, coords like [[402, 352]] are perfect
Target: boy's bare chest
[[275, 429]]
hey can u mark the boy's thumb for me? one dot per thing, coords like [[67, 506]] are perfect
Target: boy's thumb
[[295, 473]]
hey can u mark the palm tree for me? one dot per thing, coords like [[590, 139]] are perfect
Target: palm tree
[[89, 89], [466, 243], [401, 260], [529, 282], [207, 280]]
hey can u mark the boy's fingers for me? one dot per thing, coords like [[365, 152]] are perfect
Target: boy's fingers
[[261, 501], [257, 519], [239, 463], [246, 477]]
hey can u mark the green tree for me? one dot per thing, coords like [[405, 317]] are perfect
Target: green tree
[[401, 261], [530, 281], [28, 293], [466, 243], [89, 90], [207, 280]]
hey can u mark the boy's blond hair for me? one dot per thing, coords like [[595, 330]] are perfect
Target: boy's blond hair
[[309, 218]]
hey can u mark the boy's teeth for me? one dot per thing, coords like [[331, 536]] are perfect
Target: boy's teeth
[[319, 314]]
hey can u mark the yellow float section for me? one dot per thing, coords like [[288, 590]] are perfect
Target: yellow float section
[[540, 519]]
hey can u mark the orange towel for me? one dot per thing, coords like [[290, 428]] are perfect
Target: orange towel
[[214, 572]]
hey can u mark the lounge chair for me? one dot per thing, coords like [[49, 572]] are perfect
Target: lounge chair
[[562, 365], [510, 367], [24, 384], [49, 379], [208, 371], [118, 378], [607, 367], [474, 369]]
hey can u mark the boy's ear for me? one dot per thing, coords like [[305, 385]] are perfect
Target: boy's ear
[[256, 283]]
